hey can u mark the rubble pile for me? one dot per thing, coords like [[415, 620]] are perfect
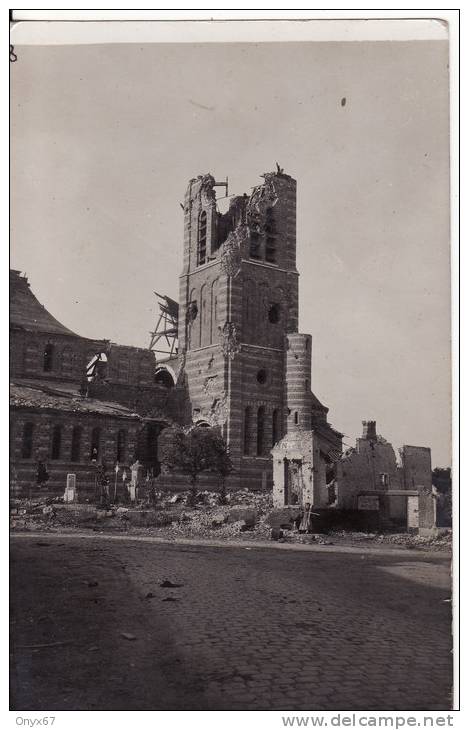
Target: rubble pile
[[441, 540], [245, 516], [438, 541]]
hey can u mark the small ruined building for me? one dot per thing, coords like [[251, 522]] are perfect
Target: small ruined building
[[239, 362], [369, 478], [77, 402], [304, 457]]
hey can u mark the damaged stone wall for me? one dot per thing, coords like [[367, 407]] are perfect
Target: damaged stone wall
[[417, 474], [372, 466]]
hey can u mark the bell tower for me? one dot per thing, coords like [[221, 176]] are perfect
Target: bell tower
[[238, 300]]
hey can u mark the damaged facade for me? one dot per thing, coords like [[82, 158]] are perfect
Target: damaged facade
[[370, 478], [76, 402]]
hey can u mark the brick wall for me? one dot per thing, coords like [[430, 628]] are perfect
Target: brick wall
[[69, 356], [44, 424], [235, 308]]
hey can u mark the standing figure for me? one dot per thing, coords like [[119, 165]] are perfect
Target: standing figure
[[305, 521], [102, 483]]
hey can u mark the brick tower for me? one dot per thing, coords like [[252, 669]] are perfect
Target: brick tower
[[238, 300]]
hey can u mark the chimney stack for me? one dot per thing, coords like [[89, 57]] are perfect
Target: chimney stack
[[369, 430]]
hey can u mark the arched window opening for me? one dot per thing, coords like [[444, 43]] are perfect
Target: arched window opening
[[275, 427], [261, 376], [147, 447], [164, 378], [192, 312], [247, 430], [97, 367], [95, 443], [192, 307], [255, 245], [260, 430], [48, 361], [215, 318], [214, 312], [121, 446], [274, 313], [27, 444], [76, 443], [204, 317], [269, 221], [56, 446], [271, 250], [250, 310], [153, 431], [202, 239], [296, 418]]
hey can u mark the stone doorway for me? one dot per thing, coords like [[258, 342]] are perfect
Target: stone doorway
[[293, 481], [412, 513]]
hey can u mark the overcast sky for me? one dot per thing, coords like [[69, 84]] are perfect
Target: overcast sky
[[105, 138]]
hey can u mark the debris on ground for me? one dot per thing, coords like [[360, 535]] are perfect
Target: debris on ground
[[245, 515], [129, 637]]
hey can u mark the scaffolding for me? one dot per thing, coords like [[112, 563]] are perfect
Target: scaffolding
[[166, 330]]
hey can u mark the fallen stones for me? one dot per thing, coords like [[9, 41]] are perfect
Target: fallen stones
[[245, 515], [284, 519], [219, 520]]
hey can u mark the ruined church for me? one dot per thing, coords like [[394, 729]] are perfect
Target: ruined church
[[239, 364]]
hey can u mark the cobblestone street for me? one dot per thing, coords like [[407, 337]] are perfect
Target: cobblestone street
[[240, 628]]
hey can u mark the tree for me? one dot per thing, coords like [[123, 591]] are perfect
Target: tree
[[220, 461], [441, 479], [192, 452]]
